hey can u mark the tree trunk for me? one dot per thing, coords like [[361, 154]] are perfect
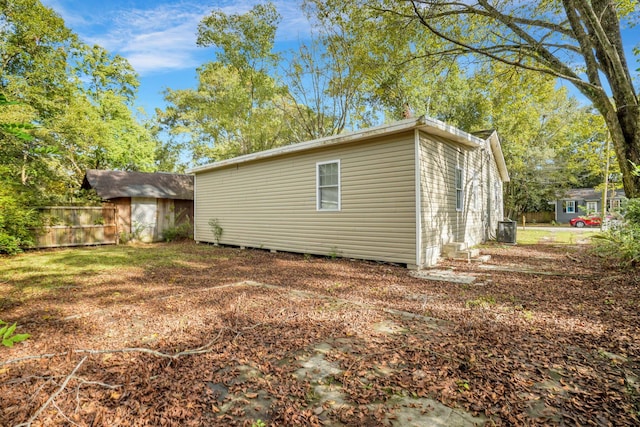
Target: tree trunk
[[624, 128], [591, 31], [630, 124], [620, 109]]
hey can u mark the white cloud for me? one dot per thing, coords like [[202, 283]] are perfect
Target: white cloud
[[294, 24], [155, 40], [162, 38]]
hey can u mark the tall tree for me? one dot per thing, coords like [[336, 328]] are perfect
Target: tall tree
[[324, 90], [79, 96], [574, 40], [238, 106], [372, 54]]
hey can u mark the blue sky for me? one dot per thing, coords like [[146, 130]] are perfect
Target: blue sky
[[158, 37]]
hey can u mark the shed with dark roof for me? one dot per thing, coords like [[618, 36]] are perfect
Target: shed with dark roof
[[148, 203]]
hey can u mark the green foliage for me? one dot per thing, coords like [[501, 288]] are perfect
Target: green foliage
[[17, 223], [216, 228], [463, 385], [137, 230], [19, 130], [482, 301], [632, 211], [238, 106], [178, 232], [74, 108], [8, 335], [619, 245], [258, 423], [245, 40]]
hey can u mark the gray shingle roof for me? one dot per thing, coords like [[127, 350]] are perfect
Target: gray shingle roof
[[588, 194], [115, 184]]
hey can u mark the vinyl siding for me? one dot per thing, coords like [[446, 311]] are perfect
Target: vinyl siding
[[271, 203], [494, 197], [441, 223]]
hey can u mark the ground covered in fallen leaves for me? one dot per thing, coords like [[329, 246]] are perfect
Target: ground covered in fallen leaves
[[202, 335]]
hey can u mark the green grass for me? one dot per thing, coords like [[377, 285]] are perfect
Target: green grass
[[41, 271], [531, 236]]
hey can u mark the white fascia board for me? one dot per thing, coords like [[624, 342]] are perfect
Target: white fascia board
[[496, 149], [426, 124], [451, 133]]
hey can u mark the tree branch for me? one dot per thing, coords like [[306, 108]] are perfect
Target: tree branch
[[53, 396], [200, 350], [555, 67], [466, 9]]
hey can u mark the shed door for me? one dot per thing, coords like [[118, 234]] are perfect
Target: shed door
[[144, 211]]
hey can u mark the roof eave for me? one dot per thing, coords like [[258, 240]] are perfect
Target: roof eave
[[426, 124], [498, 155]]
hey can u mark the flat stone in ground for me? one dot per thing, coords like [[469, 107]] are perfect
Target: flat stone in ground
[[443, 276], [428, 412]]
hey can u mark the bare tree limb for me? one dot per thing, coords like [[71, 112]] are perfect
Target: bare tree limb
[[53, 396], [191, 352]]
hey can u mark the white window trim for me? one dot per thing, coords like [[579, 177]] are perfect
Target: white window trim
[[318, 201], [475, 192], [594, 208], [571, 203], [459, 189]]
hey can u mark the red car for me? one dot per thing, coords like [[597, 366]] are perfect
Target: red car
[[582, 221]]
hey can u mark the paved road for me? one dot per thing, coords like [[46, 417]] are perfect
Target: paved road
[[562, 228]]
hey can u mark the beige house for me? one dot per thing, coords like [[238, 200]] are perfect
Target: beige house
[[396, 193]]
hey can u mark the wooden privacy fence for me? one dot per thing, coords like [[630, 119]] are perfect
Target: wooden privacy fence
[[537, 217], [77, 226]]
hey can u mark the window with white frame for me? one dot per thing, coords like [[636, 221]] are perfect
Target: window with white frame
[[328, 185], [475, 192], [569, 206], [615, 204], [459, 189], [497, 195], [592, 207]]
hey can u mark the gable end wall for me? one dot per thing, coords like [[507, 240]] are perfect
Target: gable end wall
[[441, 223]]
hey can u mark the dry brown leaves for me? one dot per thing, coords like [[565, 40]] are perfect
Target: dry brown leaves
[[518, 348]]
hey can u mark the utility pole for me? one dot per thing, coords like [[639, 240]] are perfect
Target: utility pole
[[603, 219]]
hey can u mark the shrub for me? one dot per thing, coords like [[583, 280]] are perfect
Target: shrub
[[179, 232], [632, 211], [216, 228], [621, 244], [16, 225]]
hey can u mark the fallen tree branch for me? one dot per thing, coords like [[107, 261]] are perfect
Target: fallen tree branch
[[55, 405], [200, 350], [101, 384], [53, 396]]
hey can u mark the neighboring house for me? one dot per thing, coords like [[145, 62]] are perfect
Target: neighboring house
[[583, 201], [394, 193], [147, 203]]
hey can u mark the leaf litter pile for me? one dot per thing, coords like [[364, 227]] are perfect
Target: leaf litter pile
[[222, 336]]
